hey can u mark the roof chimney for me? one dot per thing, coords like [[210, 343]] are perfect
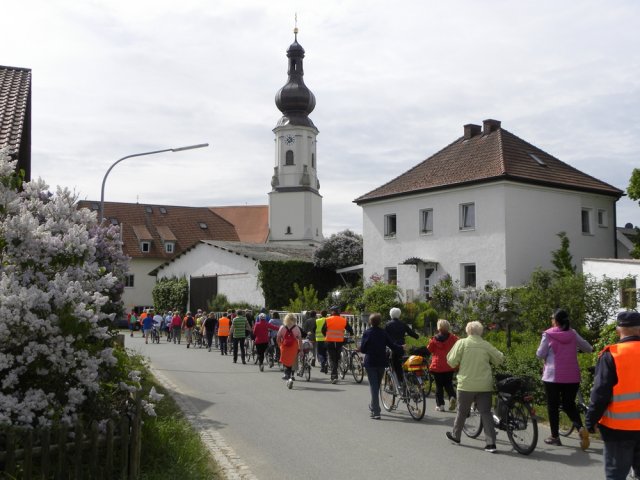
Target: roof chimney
[[490, 126], [471, 130]]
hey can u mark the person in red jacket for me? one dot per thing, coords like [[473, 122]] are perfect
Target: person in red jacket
[[261, 337], [439, 346]]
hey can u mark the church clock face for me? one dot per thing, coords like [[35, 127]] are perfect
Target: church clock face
[[289, 139]]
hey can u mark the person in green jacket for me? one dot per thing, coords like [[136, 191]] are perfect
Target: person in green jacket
[[239, 328], [474, 358]]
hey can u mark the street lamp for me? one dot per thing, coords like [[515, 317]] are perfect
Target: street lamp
[[104, 180]]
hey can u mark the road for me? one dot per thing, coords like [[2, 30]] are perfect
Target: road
[[322, 431]]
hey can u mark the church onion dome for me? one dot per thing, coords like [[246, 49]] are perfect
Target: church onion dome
[[295, 100]]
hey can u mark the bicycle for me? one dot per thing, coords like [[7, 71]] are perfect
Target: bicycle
[[566, 425], [515, 414], [198, 340], [250, 349], [155, 334], [411, 392], [304, 360], [350, 360]]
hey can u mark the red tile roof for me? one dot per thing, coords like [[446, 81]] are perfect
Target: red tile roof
[[251, 221], [493, 155], [188, 225]]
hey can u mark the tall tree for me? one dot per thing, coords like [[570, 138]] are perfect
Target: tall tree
[[340, 250], [633, 191], [562, 258]]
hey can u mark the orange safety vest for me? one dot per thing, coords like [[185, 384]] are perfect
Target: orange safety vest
[[335, 328], [623, 413], [224, 327]]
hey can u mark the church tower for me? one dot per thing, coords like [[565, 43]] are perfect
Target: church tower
[[295, 204]]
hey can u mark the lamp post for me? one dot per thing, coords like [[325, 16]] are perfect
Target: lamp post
[[104, 180]]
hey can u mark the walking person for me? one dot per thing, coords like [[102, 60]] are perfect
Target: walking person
[[187, 325], [333, 331], [397, 330], [224, 329], [210, 324], [239, 327], [167, 323], [561, 375], [275, 320], [290, 342], [261, 337], [374, 345], [474, 357], [309, 331], [439, 346], [615, 400], [176, 327], [147, 325], [321, 345], [133, 321]]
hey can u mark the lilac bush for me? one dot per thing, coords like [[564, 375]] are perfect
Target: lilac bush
[[58, 272]]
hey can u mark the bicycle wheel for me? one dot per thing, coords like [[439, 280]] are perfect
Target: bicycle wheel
[[473, 424], [416, 401], [522, 427], [343, 363], [387, 391], [565, 426], [356, 367], [271, 356], [428, 384], [254, 352], [307, 371]]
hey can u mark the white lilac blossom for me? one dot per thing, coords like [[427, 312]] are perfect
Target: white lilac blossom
[[155, 396], [60, 273]]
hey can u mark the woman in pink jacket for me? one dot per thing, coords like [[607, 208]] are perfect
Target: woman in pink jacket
[[261, 337], [561, 375], [439, 346]]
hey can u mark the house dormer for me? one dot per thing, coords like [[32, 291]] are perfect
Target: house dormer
[[144, 238], [168, 238]]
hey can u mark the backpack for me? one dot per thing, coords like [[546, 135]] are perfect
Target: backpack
[[190, 322], [289, 338]]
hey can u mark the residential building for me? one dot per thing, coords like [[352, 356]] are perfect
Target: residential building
[[625, 271], [487, 207], [15, 115]]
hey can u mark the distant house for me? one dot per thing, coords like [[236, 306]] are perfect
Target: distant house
[[486, 207], [15, 115], [625, 236], [626, 271], [228, 268], [155, 234]]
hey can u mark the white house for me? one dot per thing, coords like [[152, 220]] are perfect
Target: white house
[[487, 207], [625, 270]]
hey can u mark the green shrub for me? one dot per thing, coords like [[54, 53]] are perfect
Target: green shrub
[[218, 303], [381, 297]]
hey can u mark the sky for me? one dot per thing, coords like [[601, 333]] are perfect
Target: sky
[[394, 83]]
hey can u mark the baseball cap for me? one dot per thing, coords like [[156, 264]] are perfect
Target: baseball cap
[[628, 319]]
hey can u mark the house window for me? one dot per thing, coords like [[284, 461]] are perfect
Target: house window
[[426, 221], [392, 276], [288, 232], [469, 275], [390, 226], [467, 216], [427, 282], [145, 247], [288, 157], [313, 160], [602, 218], [628, 293], [128, 280], [586, 220], [169, 247]]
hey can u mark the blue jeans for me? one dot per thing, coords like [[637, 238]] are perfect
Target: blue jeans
[[619, 457], [374, 374]]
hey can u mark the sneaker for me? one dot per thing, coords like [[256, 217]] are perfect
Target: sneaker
[[334, 380], [584, 438], [553, 441], [491, 448], [452, 404], [262, 367], [188, 345], [452, 438], [376, 416], [285, 377], [290, 383], [209, 348], [439, 408]]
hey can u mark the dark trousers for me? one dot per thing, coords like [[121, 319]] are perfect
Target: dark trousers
[[619, 457], [396, 362], [223, 345], [239, 341], [444, 381], [322, 353], [334, 349], [260, 349], [374, 374], [562, 395], [209, 338]]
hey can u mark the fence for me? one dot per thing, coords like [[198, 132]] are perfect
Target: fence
[[82, 452]]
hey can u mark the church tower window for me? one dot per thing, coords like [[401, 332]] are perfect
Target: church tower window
[[288, 159]]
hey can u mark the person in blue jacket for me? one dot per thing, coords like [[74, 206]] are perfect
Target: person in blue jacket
[[374, 345]]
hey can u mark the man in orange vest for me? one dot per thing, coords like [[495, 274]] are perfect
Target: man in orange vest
[[333, 330], [224, 327], [615, 400]]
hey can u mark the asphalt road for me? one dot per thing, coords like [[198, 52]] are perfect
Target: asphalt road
[[322, 431]]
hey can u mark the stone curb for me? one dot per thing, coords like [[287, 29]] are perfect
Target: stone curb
[[231, 467]]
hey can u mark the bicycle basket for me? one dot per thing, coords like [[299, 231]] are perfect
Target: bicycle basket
[[413, 364], [511, 385], [306, 346]]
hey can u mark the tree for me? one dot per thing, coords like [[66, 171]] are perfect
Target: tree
[[380, 298], [340, 250], [170, 294], [633, 191], [306, 299], [562, 258], [56, 278]]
